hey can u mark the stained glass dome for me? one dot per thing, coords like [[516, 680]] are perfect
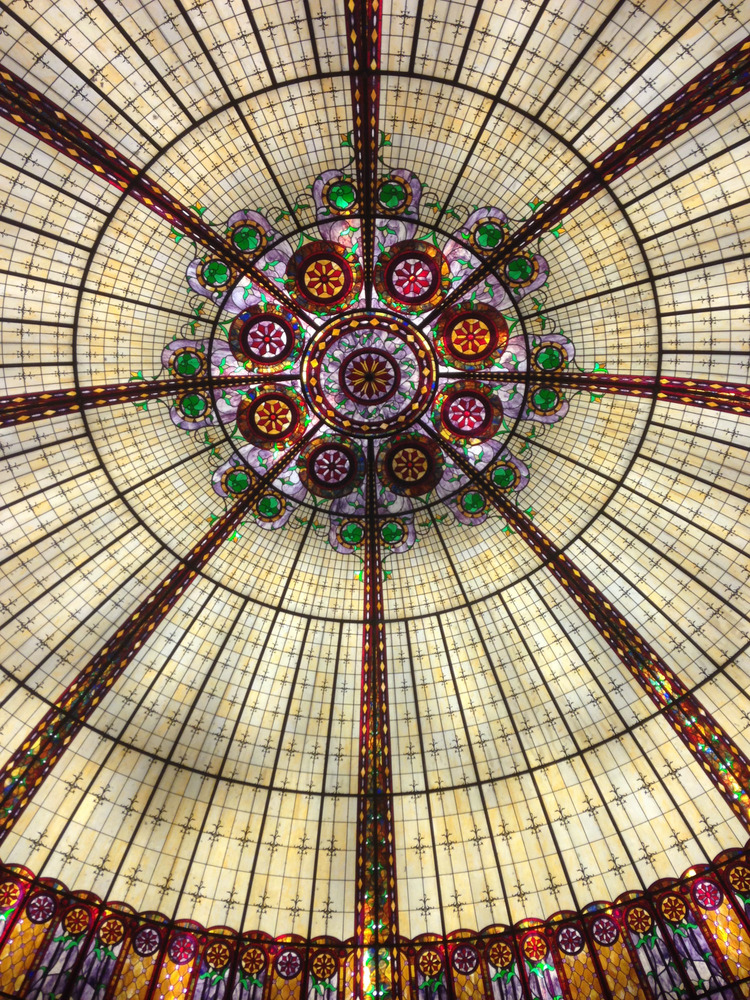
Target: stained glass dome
[[375, 431]]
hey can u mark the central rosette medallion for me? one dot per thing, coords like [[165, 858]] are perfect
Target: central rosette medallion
[[369, 373]]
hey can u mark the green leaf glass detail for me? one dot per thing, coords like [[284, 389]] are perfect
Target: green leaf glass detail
[[352, 533], [544, 400], [489, 235], [392, 532], [269, 506], [215, 273], [549, 358], [504, 476], [246, 238], [520, 269], [342, 195], [187, 364], [237, 482], [391, 195], [193, 406], [474, 503]]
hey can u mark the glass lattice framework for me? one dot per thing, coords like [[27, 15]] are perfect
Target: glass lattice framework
[[488, 106]]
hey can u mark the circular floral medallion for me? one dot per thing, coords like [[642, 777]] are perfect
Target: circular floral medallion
[[570, 940], [351, 534], [739, 878], [639, 920], [111, 931], [9, 894], [289, 964], [430, 963], [236, 479], [604, 931], [331, 467], [468, 412], [265, 339], [707, 894], [41, 908], [410, 464], [253, 960], [271, 416], [500, 954], [320, 276], [369, 376], [673, 908], [411, 276], [182, 948], [76, 921], [369, 373], [535, 947], [472, 503], [324, 966], [465, 959], [146, 941], [471, 337], [217, 955]]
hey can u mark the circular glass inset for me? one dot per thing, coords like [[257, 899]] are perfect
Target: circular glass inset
[[394, 194], [411, 276], [331, 467], [214, 274], [369, 375], [187, 362], [269, 417], [193, 405], [248, 236], [351, 533], [321, 277], [521, 271], [354, 382], [341, 195], [410, 464], [548, 357], [392, 532], [472, 336]]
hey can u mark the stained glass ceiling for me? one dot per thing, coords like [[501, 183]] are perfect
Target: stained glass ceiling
[[217, 776]]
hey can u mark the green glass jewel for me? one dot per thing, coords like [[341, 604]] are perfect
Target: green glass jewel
[[392, 532], [246, 238], [549, 358], [520, 269], [269, 506], [474, 503], [489, 235], [342, 195], [352, 533], [237, 482], [392, 195], [504, 476], [187, 364], [215, 273], [193, 406], [544, 400]]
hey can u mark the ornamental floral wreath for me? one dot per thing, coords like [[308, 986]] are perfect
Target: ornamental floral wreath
[[384, 383]]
